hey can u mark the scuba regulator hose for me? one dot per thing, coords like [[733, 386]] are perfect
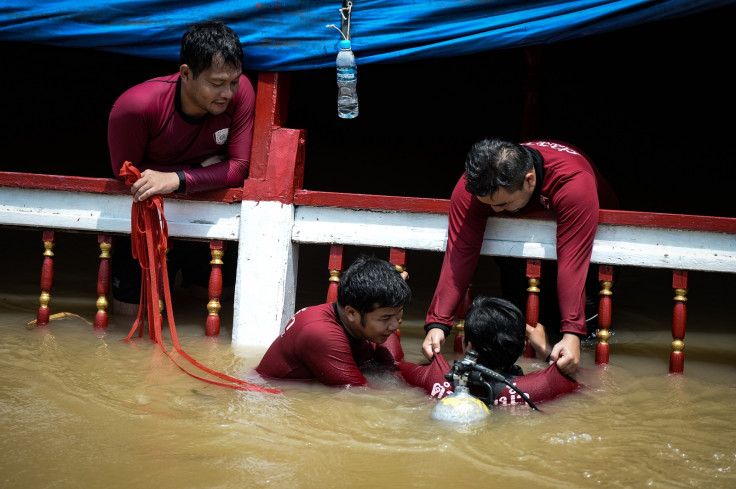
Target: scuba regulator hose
[[498, 378], [469, 372], [461, 406]]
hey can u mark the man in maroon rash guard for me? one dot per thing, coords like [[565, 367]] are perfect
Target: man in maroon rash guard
[[507, 177], [186, 132], [333, 342]]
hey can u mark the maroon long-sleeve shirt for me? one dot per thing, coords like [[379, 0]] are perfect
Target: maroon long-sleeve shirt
[[148, 128], [315, 345], [574, 189]]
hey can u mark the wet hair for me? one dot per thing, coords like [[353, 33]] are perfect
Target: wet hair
[[497, 330], [492, 164], [204, 42], [371, 283]]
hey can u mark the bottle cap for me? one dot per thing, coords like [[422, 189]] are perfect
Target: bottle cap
[[344, 44]]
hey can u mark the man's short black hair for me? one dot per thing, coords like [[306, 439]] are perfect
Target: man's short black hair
[[371, 283], [205, 42], [497, 330], [492, 164]]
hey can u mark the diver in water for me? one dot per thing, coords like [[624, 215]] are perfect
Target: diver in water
[[496, 330]]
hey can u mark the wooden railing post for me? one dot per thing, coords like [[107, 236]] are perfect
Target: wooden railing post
[[605, 275], [461, 313], [47, 277], [679, 319], [335, 265], [103, 280], [397, 257], [534, 274], [214, 289]]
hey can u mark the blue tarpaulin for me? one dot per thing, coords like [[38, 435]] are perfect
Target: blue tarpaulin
[[289, 35]]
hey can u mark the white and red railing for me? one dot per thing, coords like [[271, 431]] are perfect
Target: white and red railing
[[272, 215]]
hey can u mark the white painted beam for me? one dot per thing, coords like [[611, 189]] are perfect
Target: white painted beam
[[101, 213], [665, 248], [370, 228], [525, 238]]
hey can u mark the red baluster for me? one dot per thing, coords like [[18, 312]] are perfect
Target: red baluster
[[679, 318], [605, 275], [397, 257], [534, 274], [335, 267], [47, 277], [161, 295], [103, 280], [460, 314], [212, 325]]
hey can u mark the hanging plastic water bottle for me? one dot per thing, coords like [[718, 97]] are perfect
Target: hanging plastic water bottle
[[347, 82]]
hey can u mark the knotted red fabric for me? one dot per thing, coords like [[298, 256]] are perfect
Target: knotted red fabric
[[149, 235]]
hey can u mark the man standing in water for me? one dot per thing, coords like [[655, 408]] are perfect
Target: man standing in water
[[187, 132], [506, 177], [332, 342]]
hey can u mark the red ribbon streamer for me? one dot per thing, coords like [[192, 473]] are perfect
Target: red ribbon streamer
[[149, 235]]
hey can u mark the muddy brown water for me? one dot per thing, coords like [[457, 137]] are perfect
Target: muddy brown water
[[84, 408]]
